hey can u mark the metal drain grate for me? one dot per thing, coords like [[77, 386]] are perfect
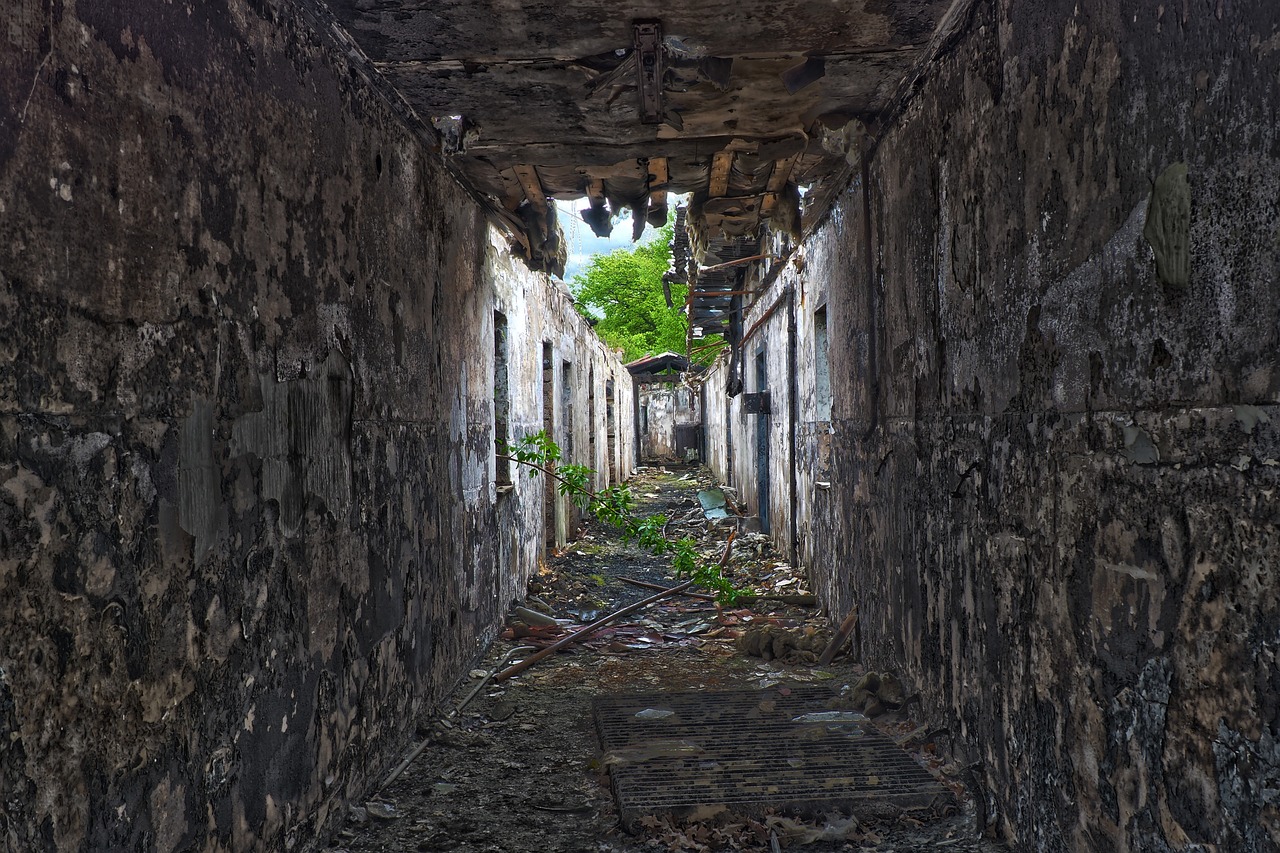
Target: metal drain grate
[[747, 750]]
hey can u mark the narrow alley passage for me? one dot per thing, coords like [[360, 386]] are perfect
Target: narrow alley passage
[[975, 304], [521, 766]]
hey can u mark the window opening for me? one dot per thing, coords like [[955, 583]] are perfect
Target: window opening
[[611, 428], [566, 406], [591, 418], [501, 401], [822, 377]]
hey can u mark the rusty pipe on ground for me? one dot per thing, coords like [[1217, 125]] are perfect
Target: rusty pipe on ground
[[457, 709], [646, 585], [582, 633]]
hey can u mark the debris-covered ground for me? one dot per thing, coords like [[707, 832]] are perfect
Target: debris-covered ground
[[520, 768]]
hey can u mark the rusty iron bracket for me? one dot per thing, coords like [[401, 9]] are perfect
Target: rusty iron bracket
[[756, 404], [649, 70]]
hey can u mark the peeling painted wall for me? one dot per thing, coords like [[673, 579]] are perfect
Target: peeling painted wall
[[249, 528], [798, 428], [670, 416], [542, 319], [1057, 433]]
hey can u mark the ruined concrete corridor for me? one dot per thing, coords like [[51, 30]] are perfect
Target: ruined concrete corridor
[[518, 763], [999, 288]]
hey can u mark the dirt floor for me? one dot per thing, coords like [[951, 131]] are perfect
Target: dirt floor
[[520, 767]]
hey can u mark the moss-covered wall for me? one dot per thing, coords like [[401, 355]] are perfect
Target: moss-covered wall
[[1057, 431], [249, 527]]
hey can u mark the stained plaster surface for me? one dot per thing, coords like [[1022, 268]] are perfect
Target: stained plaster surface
[[1057, 439], [248, 523]]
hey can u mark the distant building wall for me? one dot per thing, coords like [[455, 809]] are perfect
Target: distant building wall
[[252, 521], [670, 421]]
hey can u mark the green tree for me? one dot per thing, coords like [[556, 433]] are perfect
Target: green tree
[[622, 291]]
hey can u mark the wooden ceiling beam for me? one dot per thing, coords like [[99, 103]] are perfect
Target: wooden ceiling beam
[[528, 177], [777, 183], [721, 165], [659, 173]]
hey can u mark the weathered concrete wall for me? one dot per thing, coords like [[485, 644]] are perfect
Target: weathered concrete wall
[[540, 319], [782, 337], [582, 367], [1057, 446], [668, 412], [719, 418], [249, 526]]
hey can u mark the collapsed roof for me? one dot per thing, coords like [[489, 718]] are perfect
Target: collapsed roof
[[663, 367], [739, 104]]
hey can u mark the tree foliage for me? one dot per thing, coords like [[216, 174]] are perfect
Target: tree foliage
[[622, 291]]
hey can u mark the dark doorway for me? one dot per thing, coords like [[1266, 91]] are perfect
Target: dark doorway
[[549, 425], [611, 428], [592, 462], [762, 445]]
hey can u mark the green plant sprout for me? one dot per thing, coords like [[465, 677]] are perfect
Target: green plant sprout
[[614, 505]]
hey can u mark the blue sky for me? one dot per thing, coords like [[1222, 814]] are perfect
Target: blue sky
[[583, 244]]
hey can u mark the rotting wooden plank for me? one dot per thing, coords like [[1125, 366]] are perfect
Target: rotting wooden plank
[[721, 164], [777, 183], [512, 193], [659, 173], [514, 227], [528, 177], [658, 178], [781, 172]]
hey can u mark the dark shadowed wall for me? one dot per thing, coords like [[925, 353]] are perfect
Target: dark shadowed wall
[[249, 526], [1054, 349]]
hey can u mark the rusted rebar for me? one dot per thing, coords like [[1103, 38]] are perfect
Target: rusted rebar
[[841, 637], [583, 633]]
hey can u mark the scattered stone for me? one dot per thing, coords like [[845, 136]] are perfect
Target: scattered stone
[[382, 811], [654, 714], [772, 642], [503, 709]]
